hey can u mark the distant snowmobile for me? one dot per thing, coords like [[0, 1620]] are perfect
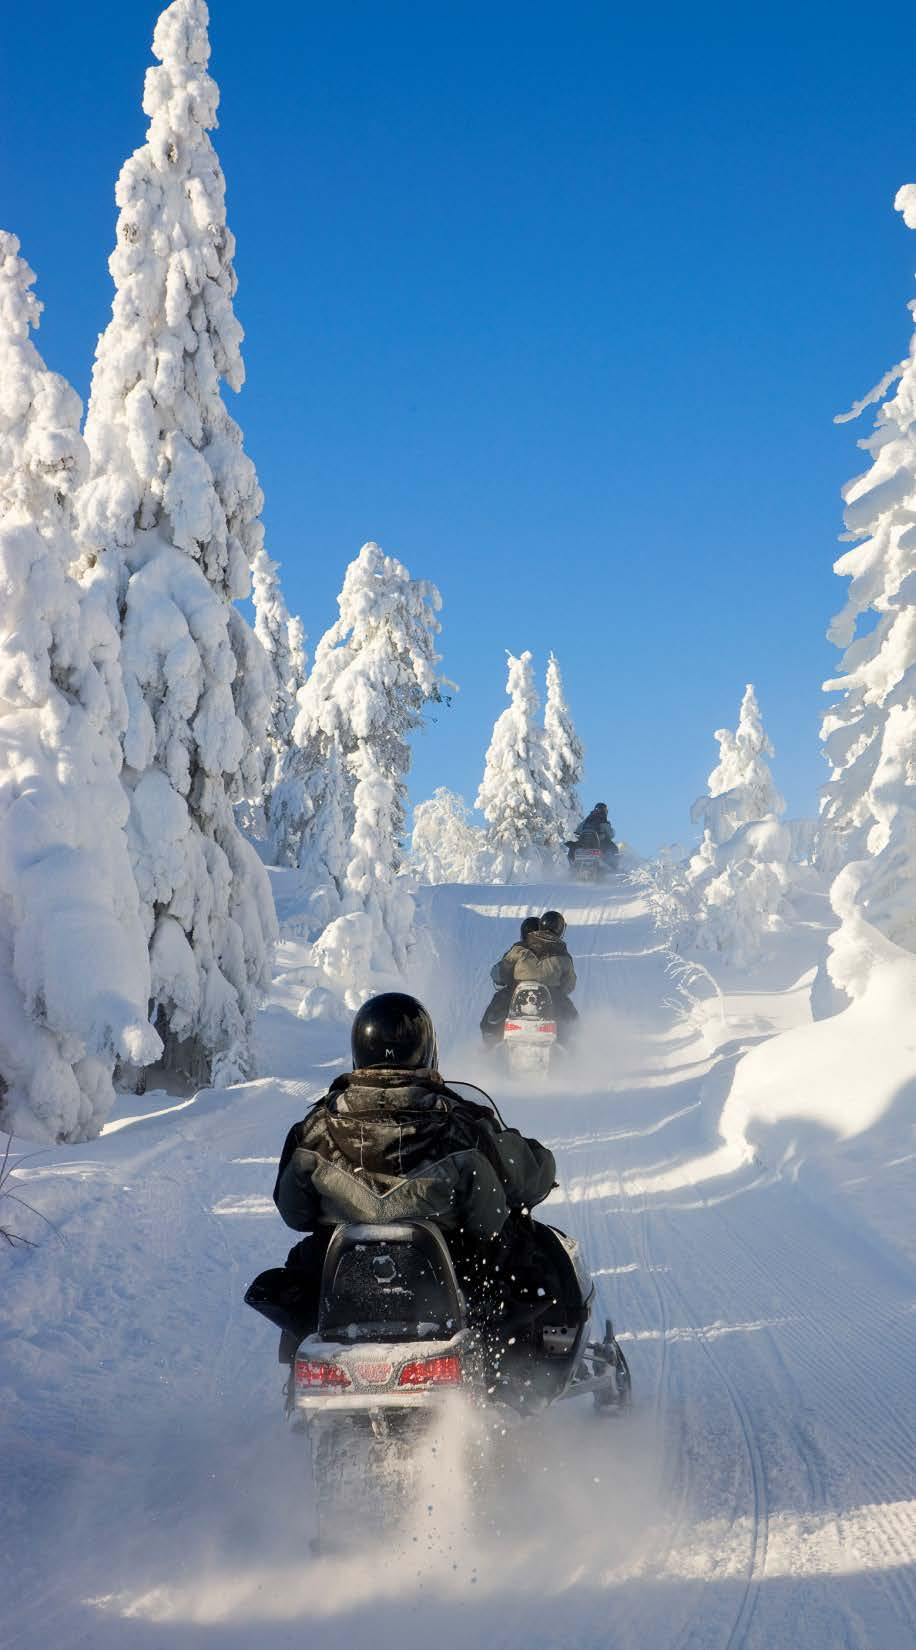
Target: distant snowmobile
[[588, 859], [520, 1022], [398, 1338], [592, 853]]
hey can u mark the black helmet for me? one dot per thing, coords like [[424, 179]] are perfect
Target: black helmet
[[530, 926], [600, 808], [393, 1030], [555, 923]]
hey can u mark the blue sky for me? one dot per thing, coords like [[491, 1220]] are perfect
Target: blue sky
[[557, 303]]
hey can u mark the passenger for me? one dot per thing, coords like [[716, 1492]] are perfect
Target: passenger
[[504, 977]]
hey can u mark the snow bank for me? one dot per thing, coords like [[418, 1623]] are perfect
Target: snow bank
[[842, 1074], [803, 1095]]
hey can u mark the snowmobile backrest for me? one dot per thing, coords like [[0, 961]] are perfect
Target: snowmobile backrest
[[589, 840], [530, 1000], [389, 1283]]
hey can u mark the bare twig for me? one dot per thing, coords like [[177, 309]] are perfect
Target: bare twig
[[7, 1169]]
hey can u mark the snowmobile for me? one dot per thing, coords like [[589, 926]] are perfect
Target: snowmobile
[[588, 860], [530, 1030], [396, 1344]]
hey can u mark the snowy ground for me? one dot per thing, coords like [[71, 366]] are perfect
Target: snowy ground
[[763, 1492]]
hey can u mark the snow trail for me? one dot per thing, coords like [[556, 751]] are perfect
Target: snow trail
[[762, 1493]]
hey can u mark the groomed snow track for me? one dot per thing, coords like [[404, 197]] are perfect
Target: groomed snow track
[[762, 1493]]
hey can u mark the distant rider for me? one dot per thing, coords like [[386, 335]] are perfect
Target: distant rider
[[392, 1141], [548, 961], [597, 824], [504, 977]]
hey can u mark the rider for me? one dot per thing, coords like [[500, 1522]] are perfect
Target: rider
[[504, 978], [548, 961], [392, 1141], [598, 823]]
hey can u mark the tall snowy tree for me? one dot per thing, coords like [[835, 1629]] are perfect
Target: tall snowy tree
[[737, 882], [283, 639], [74, 972], [373, 674], [170, 517], [741, 785], [564, 754], [869, 812], [516, 795]]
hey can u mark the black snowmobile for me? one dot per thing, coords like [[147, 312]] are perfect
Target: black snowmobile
[[403, 1331], [588, 859]]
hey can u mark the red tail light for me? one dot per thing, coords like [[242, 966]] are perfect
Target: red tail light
[[547, 1025], [513, 1025], [432, 1372], [312, 1374]]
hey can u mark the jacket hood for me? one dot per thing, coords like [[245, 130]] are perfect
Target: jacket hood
[[386, 1145], [388, 1124], [382, 1088]]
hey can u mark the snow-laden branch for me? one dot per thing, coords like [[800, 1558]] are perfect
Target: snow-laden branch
[[880, 389]]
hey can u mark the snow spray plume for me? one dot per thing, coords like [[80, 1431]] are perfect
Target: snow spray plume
[[506, 1515]]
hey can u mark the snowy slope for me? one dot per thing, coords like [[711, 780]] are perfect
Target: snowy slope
[[763, 1493]]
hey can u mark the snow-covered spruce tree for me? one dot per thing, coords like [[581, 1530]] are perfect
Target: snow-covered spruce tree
[[283, 639], [170, 525], [738, 880], [564, 755], [516, 795], [373, 674], [313, 812], [869, 813], [74, 972], [740, 787], [445, 846]]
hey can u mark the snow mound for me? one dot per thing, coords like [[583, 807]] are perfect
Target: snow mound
[[842, 1074]]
